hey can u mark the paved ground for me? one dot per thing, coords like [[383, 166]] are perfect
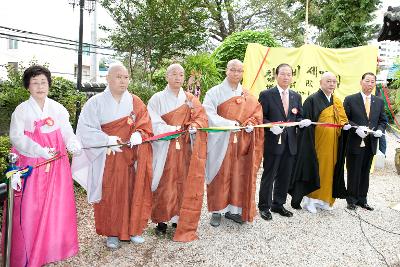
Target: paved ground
[[328, 238]]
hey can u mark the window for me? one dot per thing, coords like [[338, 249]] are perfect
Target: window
[[12, 44]]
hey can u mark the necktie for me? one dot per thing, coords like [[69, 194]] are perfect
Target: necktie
[[285, 101], [367, 105]]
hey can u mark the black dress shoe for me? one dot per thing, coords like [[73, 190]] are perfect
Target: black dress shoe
[[351, 206], [282, 211], [161, 229], [266, 215], [365, 206]]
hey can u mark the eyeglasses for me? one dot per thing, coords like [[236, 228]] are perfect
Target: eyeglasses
[[236, 70], [37, 84]]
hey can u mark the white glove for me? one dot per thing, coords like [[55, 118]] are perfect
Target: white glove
[[136, 139], [249, 128], [112, 142], [276, 130], [361, 131], [304, 123], [74, 148], [16, 182], [46, 152], [378, 133], [346, 127], [192, 130]]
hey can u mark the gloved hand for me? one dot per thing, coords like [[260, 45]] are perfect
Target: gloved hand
[[192, 130], [346, 127], [361, 131], [16, 182], [74, 148], [136, 139], [276, 130], [378, 133], [304, 123], [249, 128], [112, 142], [46, 152]]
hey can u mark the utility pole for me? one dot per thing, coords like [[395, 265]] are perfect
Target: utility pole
[[90, 6], [306, 26]]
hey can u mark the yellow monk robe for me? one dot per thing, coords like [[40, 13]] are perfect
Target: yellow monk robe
[[326, 147]]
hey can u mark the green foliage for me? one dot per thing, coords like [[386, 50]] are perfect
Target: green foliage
[[235, 45], [151, 31], [142, 91], [159, 81], [205, 65], [12, 93], [341, 23], [5, 146], [64, 92]]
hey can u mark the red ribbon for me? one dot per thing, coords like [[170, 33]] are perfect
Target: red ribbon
[[156, 137], [389, 105]]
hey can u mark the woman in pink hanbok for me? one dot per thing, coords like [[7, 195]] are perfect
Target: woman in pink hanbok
[[44, 216]]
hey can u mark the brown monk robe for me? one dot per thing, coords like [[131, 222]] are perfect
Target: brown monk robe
[[235, 182], [125, 206], [181, 187]]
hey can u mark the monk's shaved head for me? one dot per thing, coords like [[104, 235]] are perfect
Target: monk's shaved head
[[327, 75], [175, 66], [116, 67], [234, 62], [328, 83]]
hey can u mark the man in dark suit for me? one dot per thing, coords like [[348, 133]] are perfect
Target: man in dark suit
[[365, 113], [280, 104]]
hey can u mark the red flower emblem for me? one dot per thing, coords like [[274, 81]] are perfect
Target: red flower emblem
[[129, 121], [295, 111], [49, 121], [239, 100]]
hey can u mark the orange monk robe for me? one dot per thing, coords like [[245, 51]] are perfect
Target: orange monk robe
[[181, 187], [125, 205], [235, 182]]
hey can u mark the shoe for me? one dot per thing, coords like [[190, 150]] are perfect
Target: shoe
[[174, 225], [351, 206], [282, 211], [237, 218], [112, 242], [137, 239], [324, 206], [266, 215], [215, 219], [365, 206], [161, 228], [311, 208]]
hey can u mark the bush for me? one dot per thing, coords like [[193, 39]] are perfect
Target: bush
[[64, 92], [142, 91], [5, 146], [235, 45], [206, 66]]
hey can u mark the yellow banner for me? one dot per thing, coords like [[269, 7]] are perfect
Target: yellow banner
[[308, 63]]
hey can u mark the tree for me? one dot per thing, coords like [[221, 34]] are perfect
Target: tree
[[236, 44], [341, 23], [229, 16], [149, 31]]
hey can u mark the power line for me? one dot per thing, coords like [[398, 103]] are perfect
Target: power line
[[54, 37], [25, 40]]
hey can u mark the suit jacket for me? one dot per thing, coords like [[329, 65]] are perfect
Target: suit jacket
[[273, 111], [355, 111]]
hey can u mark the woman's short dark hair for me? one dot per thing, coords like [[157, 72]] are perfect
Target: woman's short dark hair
[[34, 71], [281, 66]]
